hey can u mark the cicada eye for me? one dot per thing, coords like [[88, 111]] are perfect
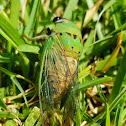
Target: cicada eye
[[57, 20], [48, 31]]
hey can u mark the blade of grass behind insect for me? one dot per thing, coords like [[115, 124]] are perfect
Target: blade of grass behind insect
[[108, 5], [113, 55], [10, 123], [25, 11], [87, 43], [78, 117], [15, 81], [8, 38], [123, 36], [89, 13], [117, 115], [32, 117], [100, 118], [119, 78], [56, 5], [42, 12], [92, 48], [9, 32], [2, 104], [95, 18], [5, 58], [101, 94], [2, 92], [83, 72], [116, 19], [122, 118], [92, 83], [5, 114], [70, 7], [24, 62], [107, 115], [82, 22], [122, 27], [83, 60], [88, 118], [29, 48], [14, 12], [92, 11], [32, 19], [14, 16], [119, 112], [55, 2], [39, 123]]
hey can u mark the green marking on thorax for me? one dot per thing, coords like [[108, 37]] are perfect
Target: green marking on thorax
[[68, 27], [72, 45]]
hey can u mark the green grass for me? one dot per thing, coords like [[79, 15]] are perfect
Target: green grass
[[102, 65]]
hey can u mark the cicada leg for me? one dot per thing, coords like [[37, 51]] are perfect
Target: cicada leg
[[38, 35], [35, 38]]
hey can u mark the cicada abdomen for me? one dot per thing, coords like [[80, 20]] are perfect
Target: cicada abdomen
[[61, 72]]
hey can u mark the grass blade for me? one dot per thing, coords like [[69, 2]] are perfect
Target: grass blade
[[93, 83], [5, 114], [32, 19], [33, 117], [14, 12], [9, 32], [29, 48], [70, 7], [101, 116], [4, 58], [107, 115], [2, 104], [13, 78], [113, 54], [119, 78]]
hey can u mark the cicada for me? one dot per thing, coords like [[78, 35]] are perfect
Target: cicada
[[62, 49]]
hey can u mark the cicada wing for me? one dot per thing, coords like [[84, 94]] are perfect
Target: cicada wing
[[59, 72], [70, 105]]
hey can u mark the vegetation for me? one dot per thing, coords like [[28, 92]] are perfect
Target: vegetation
[[102, 65]]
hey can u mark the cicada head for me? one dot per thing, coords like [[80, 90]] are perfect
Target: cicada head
[[70, 37]]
